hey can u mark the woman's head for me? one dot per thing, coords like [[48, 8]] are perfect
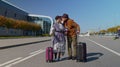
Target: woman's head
[[58, 19]]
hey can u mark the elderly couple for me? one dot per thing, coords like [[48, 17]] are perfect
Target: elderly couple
[[64, 26]]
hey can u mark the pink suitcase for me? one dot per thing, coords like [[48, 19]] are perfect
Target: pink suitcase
[[49, 54]]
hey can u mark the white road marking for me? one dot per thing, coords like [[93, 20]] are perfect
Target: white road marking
[[10, 61], [105, 47], [35, 51], [24, 59]]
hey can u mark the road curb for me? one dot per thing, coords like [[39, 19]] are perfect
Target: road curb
[[23, 44]]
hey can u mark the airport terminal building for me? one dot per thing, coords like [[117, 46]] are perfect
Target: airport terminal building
[[11, 11], [44, 22]]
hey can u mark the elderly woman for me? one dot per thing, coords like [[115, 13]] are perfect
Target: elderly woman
[[58, 38]]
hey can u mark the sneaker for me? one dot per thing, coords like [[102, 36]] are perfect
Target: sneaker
[[58, 59], [55, 60]]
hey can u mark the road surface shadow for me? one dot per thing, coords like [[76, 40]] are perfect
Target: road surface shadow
[[90, 57], [23, 44], [62, 59], [93, 56]]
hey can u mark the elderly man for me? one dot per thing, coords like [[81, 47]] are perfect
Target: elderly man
[[72, 29]]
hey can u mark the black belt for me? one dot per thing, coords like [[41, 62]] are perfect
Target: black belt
[[60, 31]]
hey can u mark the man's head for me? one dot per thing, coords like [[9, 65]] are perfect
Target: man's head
[[58, 19], [65, 17]]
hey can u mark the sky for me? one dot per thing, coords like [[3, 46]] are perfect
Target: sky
[[91, 15]]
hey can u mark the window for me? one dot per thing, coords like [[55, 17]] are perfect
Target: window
[[15, 15], [6, 13], [2, 28]]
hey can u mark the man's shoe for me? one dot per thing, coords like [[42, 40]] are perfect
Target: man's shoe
[[73, 58], [69, 57]]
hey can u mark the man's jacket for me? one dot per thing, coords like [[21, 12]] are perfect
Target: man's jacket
[[72, 27]]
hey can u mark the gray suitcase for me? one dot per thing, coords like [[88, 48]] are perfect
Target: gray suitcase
[[81, 52]]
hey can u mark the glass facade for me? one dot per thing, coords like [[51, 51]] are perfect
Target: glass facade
[[44, 22], [11, 11]]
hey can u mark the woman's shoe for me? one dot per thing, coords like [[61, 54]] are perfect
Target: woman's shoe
[[56, 60], [59, 59]]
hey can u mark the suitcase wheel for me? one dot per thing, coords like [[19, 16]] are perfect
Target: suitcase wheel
[[47, 61], [51, 61]]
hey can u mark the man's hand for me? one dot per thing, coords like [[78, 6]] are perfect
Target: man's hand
[[65, 33], [52, 30]]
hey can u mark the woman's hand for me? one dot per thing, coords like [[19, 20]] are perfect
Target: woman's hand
[[52, 30]]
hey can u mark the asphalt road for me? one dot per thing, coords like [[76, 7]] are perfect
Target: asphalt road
[[101, 52]]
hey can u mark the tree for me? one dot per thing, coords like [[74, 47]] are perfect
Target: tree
[[18, 24], [102, 31], [112, 30]]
